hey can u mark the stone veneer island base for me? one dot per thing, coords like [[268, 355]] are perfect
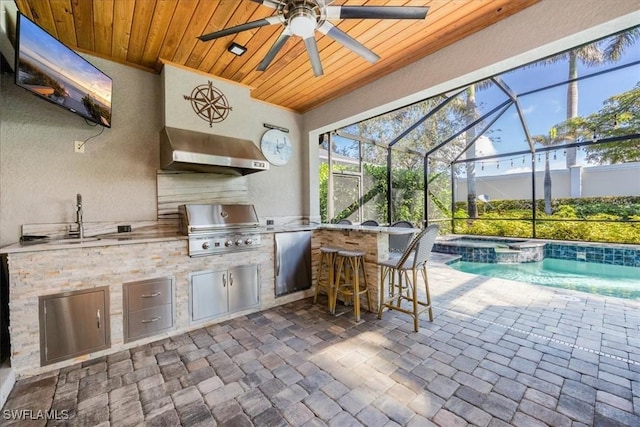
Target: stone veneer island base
[[44, 272], [40, 270]]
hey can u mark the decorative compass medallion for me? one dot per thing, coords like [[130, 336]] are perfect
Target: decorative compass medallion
[[209, 103]]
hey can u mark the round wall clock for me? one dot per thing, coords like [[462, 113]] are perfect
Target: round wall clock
[[276, 147]]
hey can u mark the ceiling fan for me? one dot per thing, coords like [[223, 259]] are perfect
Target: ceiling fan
[[303, 17]]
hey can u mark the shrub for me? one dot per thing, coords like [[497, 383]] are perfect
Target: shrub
[[617, 222]]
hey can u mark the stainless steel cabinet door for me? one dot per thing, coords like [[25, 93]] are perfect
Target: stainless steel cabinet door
[[73, 323], [244, 287], [208, 294]]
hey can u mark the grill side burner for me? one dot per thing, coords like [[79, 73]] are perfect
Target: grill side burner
[[216, 229]]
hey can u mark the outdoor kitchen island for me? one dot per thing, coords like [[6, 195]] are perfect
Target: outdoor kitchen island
[[373, 240], [51, 268]]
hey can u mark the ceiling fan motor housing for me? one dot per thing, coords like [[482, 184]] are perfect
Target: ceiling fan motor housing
[[302, 17]]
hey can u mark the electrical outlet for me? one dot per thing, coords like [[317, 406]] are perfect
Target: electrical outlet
[[78, 146]]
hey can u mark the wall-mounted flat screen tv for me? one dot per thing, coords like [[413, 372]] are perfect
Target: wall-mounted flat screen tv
[[52, 71]]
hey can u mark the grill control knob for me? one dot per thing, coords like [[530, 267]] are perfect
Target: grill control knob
[[248, 241], [228, 243], [238, 242], [206, 245]]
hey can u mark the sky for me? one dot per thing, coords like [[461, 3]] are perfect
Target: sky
[[542, 110]]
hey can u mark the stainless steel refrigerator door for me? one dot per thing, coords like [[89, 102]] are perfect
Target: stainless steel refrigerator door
[[293, 262]]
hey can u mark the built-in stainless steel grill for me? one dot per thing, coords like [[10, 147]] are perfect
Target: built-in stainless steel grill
[[216, 229]]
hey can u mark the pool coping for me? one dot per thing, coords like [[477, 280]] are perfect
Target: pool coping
[[448, 237], [596, 252]]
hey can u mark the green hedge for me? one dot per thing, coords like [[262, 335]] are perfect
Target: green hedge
[[593, 219]]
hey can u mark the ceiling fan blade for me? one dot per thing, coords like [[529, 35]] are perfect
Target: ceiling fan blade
[[282, 39], [347, 41], [376, 12], [271, 20], [273, 4], [314, 55]]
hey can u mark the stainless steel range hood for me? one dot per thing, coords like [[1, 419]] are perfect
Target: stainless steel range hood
[[185, 150]]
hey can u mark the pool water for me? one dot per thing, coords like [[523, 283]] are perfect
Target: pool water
[[604, 279]]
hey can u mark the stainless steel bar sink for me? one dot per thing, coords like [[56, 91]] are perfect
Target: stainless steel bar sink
[[73, 241]]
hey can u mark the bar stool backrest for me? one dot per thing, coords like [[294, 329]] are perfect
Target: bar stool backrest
[[405, 224], [420, 247], [344, 221], [399, 242], [370, 222]]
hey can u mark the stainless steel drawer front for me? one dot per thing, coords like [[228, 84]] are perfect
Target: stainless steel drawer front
[[149, 294], [150, 321], [148, 307]]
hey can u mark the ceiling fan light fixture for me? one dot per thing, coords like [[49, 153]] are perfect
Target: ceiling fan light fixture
[[302, 22], [236, 49]]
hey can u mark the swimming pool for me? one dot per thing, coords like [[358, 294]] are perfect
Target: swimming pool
[[604, 279]]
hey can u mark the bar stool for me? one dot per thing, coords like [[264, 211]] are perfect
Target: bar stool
[[406, 268], [327, 268], [351, 286]]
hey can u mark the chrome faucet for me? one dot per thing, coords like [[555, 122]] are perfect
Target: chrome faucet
[[79, 223]]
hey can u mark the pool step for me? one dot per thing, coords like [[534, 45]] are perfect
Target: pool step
[[507, 256], [492, 251], [507, 251]]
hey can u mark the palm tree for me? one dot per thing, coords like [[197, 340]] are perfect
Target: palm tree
[[471, 116], [591, 54], [546, 141]]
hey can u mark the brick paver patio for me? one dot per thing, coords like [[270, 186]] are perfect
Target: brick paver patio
[[498, 353]]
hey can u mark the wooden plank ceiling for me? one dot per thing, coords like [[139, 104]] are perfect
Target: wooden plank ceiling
[[144, 33]]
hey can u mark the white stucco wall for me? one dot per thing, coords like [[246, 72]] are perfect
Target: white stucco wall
[[515, 186], [597, 181], [543, 29], [276, 192], [40, 173], [612, 180]]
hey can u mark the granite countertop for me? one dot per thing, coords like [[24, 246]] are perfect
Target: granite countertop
[[163, 234], [93, 241], [139, 236]]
